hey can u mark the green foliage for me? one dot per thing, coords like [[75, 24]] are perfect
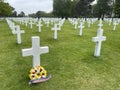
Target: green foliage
[[5, 9], [75, 8], [83, 8], [117, 8], [102, 8], [39, 14], [43, 14], [22, 14], [63, 8], [70, 60], [1, 0], [14, 14]]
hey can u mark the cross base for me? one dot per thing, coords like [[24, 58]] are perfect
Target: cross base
[[40, 80]]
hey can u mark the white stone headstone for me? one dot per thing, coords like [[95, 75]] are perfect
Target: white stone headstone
[[76, 23], [14, 29], [35, 51], [18, 32], [115, 24], [31, 24], [55, 31], [100, 24], [39, 25], [89, 22], [98, 41], [81, 28], [110, 21]]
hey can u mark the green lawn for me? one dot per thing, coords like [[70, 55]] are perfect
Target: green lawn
[[70, 60]]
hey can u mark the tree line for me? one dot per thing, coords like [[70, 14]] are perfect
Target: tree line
[[85, 8], [70, 8]]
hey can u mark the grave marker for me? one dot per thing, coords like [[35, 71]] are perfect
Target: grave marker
[[81, 28], [89, 22], [76, 23], [39, 25], [55, 31], [100, 24], [115, 24], [98, 41], [18, 32], [31, 24], [35, 51]]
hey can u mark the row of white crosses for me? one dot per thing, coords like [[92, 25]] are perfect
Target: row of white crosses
[[36, 50], [98, 39], [11, 25], [30, 21], [114, 21], [57, 26], [15, 30], [75, 21]]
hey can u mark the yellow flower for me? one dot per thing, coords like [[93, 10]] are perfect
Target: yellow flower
[[37, 72], [43, 73], [32, 76]]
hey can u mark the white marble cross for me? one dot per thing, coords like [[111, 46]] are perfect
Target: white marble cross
[[110, 21], [18, 32], [81, 28], [115, 24], [35, 51], [89, 22], [100, 24], [98, 41], [76, 23], [39, 25], [31, 24], [14, 29], [55, 31]]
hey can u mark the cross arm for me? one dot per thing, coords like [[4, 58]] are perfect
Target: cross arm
[[22, 31], [27, 52], [96, 39], [44, 50]]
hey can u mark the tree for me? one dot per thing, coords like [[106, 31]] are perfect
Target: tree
[[14, 14], [43, 14], [5, 9], [32, 15], [22, 14], [83, 8], [1, 0], [63, 8], [102, 8], [117, 8], [39, 14]]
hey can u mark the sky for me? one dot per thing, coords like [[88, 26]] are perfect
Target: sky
[[31, 6]]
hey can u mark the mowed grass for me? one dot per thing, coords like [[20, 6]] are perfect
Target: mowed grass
[[70, 60]]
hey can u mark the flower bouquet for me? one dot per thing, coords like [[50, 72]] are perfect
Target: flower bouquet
[[38, 74]]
